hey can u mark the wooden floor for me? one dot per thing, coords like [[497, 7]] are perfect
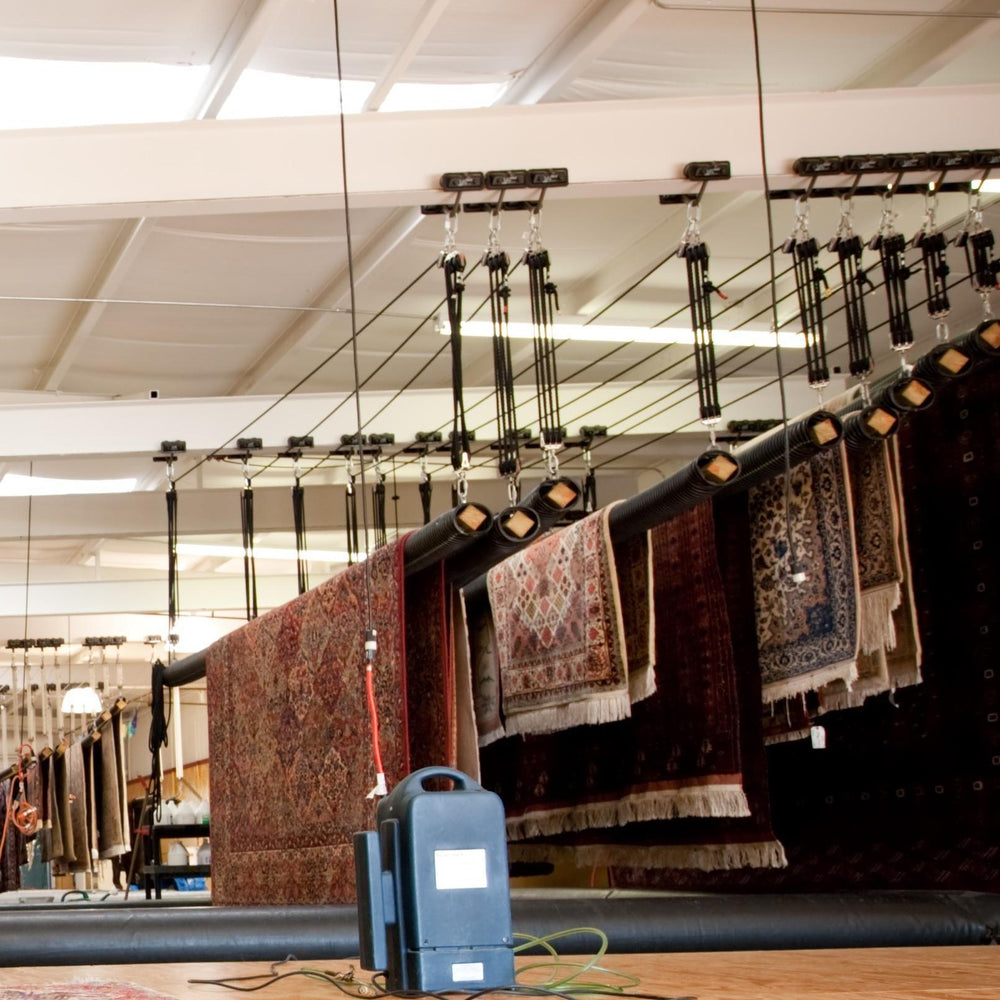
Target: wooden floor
[[861, 974]]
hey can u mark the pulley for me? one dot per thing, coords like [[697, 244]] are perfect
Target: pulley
[[978, 241], [847, 245], [891, 247]]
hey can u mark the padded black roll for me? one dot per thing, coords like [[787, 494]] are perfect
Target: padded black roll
[[763, 458], [677, 493], [943, 363], [98, 935], [983, 341], [452, 531], [863, 428], [551, 498], [906, 394], [511, 528]]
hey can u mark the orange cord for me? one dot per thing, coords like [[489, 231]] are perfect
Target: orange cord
[[25, 817], [373, 715]]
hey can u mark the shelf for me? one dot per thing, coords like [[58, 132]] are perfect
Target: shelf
[[174, 871], [161, 830]]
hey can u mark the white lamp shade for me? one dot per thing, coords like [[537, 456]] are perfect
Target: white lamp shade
[[83, 700]]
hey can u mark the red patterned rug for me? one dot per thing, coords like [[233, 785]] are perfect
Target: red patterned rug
[[290, 740], [82, 991], [559, 633]]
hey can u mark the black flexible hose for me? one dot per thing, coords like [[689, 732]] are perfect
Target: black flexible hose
[[511, 529], [466, 524]]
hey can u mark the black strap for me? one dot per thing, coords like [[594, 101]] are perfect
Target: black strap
[[590, 491], [810, 286], [378, 503], [351, 520], [299, 517], [249, 561], [453, 264], [891, 249], [425, 497], [173, 579], [854, 281], [933, 252], [544, 296], [508, 456], [983, 269], [700, 289]]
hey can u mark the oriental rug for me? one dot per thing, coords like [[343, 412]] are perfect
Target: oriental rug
[[807, 632], [634, 570], [559, 631], [482, 642], [430, 671], [76, 775], [678, 754], [467, 746], [907, 793], [650, 852], [290, 739], [876, 544], [82, 991], [108, 795]]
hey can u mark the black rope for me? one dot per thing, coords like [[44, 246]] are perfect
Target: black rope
[[425, 498], [351, 520], [299, 517], [590, 491], [395, 498], [983, 269], [700, 289], [544, 298], [378, 505], [508, 455], [453, 265], [158, 733], [811, 285], [855, 283], [896, 272], [249, 560], [933, 253], [173, 581]]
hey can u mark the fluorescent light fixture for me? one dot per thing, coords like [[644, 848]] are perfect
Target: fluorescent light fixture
[[57, 93], [260, 552], [83, 700], [13, 484], [259, 94], [442, 96], [637, 335], [989, 186]]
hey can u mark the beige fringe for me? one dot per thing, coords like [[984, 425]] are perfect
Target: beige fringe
[[485, 739], [593, 711], [706, 801], [792, 736], [876, 625], [642, 683], [705, 857], [846, 671]]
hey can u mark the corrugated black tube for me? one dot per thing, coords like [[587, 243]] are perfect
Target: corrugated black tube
[[983, 341], [455, 529], [551, 498], [511, 529]]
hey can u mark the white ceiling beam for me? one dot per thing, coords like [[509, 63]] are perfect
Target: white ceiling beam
[[136, 427], [610, 148], [423, 24], [937, 42], [127, 245], [598, 27], [379, 246], [242, 40]]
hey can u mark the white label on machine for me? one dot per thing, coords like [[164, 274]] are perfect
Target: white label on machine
[[460, 869], [467, 972]]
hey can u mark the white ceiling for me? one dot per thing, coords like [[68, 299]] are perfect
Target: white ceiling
[[207, 299]]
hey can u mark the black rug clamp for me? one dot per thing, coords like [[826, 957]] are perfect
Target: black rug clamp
[[978, 242], [173, 578], [933, 245], [299, 521], [378, 504], [811, 287], [246, 525], [497, 263], [693, 250], [848, 247], [589, 480], [544, 296], [351, 512], [891, 248], [452, 262], [425, 488]]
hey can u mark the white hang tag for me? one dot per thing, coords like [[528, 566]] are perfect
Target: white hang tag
[[818, 736]]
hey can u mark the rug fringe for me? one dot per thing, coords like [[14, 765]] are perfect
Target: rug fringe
[[485, 739], [878, 631], [792, 687], [706, 802], [642, 683], [611, 707], [705, 857]]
